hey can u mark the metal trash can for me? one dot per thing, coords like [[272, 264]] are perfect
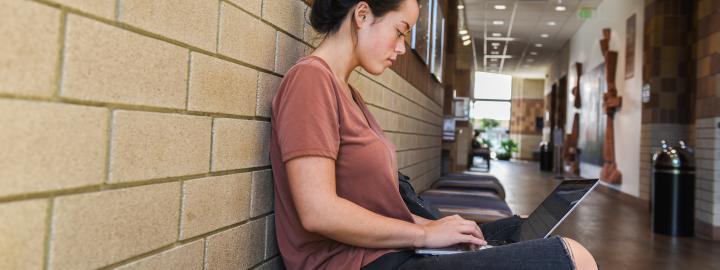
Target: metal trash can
[[673, 191], [545, 157]]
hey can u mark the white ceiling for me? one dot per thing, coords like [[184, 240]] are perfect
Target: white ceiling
[[526, 20]]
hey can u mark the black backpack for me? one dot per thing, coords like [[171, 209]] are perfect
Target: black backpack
[[414, 202]]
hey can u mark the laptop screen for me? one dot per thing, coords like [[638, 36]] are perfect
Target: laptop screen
[[555, 208]]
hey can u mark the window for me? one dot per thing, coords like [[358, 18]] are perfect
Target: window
[[492, 96]]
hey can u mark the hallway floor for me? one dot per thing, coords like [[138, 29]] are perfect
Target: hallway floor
[[616, 232]]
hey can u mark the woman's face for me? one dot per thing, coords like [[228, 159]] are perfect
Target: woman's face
[[381, 40]]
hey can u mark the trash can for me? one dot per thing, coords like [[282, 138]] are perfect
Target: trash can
[[673, 191], [545, 157]]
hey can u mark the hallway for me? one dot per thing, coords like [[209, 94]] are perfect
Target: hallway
[[618, 235]]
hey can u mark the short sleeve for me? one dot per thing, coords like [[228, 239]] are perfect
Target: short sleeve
[[305, 113]]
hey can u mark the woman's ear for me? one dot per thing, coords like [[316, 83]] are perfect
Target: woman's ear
[[362, 14]]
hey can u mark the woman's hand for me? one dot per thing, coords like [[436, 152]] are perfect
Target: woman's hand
[[449, 231]]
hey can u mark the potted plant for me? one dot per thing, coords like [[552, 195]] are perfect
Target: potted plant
[[508, 146]]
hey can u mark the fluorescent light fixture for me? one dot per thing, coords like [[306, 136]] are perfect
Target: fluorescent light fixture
[[491, 57], [533, 53], [498, 22], [500, 39], [495, 44], [530, 60], [500, 7], [544, 35], [560, 8], [496, 34], [463, 32], [465, 37], [539, 45], [467, 42], [461, 7], [551, 23], [495, 52]]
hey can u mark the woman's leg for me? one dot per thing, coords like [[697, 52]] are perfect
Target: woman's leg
[[580, 255], [538, 254]]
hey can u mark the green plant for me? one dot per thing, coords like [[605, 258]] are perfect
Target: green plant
[[486, 124], [508, 147]]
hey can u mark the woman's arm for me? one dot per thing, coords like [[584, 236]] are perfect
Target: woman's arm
[[312, 185], [420, 220]]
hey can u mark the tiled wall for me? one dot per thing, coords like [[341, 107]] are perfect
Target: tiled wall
[[707, 125], [667, 69], [527, 104], [135, 133]]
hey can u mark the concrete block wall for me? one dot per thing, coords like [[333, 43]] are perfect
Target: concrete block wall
[[135, 133]]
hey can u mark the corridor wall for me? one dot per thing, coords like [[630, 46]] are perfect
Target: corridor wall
[[135, 134]]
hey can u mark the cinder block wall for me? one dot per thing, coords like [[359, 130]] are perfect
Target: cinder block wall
[[135, 133]]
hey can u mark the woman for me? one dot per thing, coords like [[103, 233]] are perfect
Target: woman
[[337, 203]]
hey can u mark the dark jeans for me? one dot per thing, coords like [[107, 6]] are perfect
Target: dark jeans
[[540, 254]]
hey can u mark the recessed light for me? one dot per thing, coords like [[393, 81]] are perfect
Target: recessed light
[[551, 23], [461, 6], [539, 45], [465, 37], [494, 52], [500, 7], [544, 35], [463, 32], [495, 44], [493, 59], [533, 53], [560, 8], [530, 60], [498, 22], [467, 42], [496, 34]]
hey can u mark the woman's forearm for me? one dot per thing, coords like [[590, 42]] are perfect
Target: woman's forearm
[[347, 222]]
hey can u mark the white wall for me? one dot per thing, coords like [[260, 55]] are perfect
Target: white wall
[[584, 47]]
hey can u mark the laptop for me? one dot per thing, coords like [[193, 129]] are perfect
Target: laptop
[[541, 222]]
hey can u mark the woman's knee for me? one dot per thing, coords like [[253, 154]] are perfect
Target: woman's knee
[[580, 255]]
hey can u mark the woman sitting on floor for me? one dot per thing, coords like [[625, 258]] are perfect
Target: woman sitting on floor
[[337, 203]]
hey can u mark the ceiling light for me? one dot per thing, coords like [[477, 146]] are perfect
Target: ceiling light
[[533, 53], [494, 52], [551, 23], [498, 22], [498, 56], [465, 37], [544, 35], [500, 39], [495, 44], [461, 6], [530, 60], [467, 42], [500, 7], [539, 45], [496, 34], [463, 32], [493, 59], [493, 65], [560, 8], [526, 66]]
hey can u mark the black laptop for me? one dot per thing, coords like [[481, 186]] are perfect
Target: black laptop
[[543, 221]]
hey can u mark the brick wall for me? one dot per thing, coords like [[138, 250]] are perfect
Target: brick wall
[[135, 133]]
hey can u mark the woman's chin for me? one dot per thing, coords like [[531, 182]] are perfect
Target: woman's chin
[[377, 70]]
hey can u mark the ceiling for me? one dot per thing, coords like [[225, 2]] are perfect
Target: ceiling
[[525, 21]]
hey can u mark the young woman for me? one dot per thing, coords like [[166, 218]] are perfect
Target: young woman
[[337, 203]]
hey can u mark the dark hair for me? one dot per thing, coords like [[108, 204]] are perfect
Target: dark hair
[[327, 15]]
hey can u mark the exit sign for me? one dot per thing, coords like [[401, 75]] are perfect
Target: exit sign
[[585, 13]]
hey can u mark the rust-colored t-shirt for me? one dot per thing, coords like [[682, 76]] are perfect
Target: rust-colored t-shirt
[[312, 115]]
